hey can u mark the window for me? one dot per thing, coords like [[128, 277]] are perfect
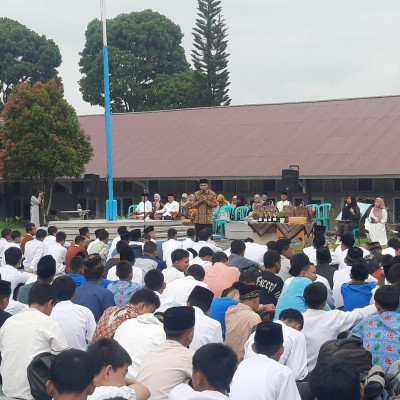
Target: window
[[349, 185], [127, 186], [77, 187], [397, 184], [317, 185], [217, 186], [269, 185], [58, 188], [365, 184]]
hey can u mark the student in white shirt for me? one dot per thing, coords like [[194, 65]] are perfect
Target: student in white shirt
[[144, 208], [9, 272], [15, 242], [5, 238], [189, 242], [154, 280], [45, 335], [321, 326], [76, 321], [283, 201], [214, 365], [111, 361], [206, 329], [204, 257], [262, 377], [121, 230], [180, 264], [34, 250], [50, 238], [126, 254], [170, 208], [78, 382], [294, 354], [95, 241], [171, 244], [151, 232], [58, 252], [204, 237], [181, 288]]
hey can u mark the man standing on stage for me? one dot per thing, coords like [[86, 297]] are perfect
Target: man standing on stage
[[204, 201]]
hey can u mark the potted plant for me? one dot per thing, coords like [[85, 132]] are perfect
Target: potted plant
[[255, 215], [274, 216], [282, 216]]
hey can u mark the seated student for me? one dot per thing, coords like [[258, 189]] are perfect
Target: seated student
[[204, 240], [15, 242], [101, 247], [5, 238], [180, 264], [91, 294], [170, 364], [111, 363], [76, 268], [189, 242], [126, 254], [241, 319], [171, 244], [263, 377], [58, 252], [77, 322], [219, 306], [124, 288], [294, 354], [204, 257], [321, 326], [283, 201], [77, 248], [115, 259], [357, 293], [78, 382], [148, 260], [97, 240], [154, 280], [271, 285], [219, 275], [142, 301], [237, 259], [335, 379], [248, 278], [46, 271], [34, 251], [25, 335], [285, 248], [122, 230], [304, 274], [181, 288], [381, 333], [323, 266], [393, 247], [206, 329], [214, 365], [5, 293]]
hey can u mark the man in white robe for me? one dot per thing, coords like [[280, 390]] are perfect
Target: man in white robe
[[34, 250], [262, 377], [171, 244]]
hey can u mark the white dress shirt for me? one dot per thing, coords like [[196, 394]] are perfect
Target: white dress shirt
[[187, 244], [58, 252], [2, 244], [77, 323], [141, 207], [169, 208], [167, 301], [197, 260], [186, 392], [14, 307], [169, 246], [7, 246], [171, 273], [137, 275], [343, 276], [280, 204], [138, 336], [14, 276], [44, 335], [181, 288], [206, 330], [95, 241], [261, 378], [48, 241], [113, 246], [34, 250], [202, 243], [111, 392], [321, 326], [294, 354]]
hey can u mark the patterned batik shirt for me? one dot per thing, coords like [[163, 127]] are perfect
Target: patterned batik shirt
[[123, 291], [381, 337], [204, 208]]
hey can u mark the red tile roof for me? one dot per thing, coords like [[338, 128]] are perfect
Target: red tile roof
[[334, 138]]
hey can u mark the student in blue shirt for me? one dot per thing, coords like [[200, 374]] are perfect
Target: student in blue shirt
[[76, 271], [357, 293], [91, 294], [219, 306]]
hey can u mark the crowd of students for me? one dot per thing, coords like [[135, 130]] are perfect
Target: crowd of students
[[135, 319]]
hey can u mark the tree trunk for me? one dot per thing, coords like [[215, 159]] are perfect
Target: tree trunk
[[46, 188]]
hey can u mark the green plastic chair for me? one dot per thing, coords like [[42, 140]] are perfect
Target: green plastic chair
[[316, 210], [132, 209], [356, 232], [219, 224], [323, 214], [241, 213]]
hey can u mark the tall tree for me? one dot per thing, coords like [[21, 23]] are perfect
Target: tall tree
[[41, 138], [25, 57], [209, 55], [142, 46]]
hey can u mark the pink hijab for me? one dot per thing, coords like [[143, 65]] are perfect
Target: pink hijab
[[378, 209]]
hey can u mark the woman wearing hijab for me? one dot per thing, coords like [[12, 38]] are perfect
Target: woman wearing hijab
[[221, 202], [350, 217], [377, 219], [257, 203], [234, 201], [36, 199]]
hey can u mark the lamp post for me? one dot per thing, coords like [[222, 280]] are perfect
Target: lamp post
[[111, 204]]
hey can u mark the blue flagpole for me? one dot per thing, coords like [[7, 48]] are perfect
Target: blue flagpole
[[111, 204]]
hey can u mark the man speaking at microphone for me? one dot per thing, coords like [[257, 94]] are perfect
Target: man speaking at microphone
[[204, 201]]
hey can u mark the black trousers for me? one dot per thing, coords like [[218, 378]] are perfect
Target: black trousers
[[199, 227], [347, 226]]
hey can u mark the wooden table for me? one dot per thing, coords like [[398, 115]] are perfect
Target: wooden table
[[76, 214]]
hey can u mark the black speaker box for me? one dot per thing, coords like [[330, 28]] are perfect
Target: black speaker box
[[91, 183], [290, 180]]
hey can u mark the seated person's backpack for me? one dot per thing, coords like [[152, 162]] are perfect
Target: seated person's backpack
[[38, 374], [350, 349]]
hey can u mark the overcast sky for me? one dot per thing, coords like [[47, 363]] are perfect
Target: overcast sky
[[281, 50]]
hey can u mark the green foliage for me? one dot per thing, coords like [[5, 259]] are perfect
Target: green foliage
[[41, 139], [24, 57], [209, 55], [142, 46]]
